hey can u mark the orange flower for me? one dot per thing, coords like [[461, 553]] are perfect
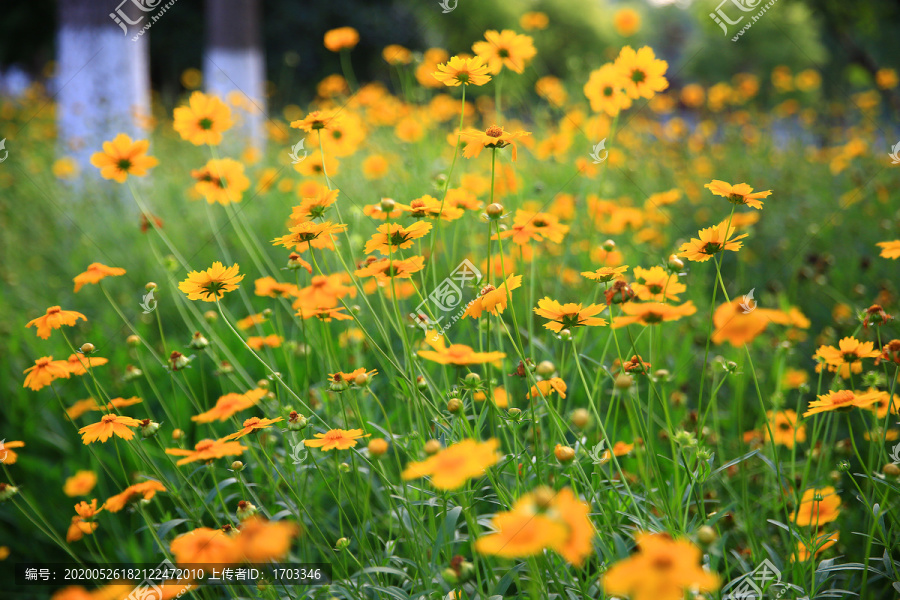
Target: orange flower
[[890, 249], [207, 450], [229, 404], [95, 272], [80, 484], [652, 313], [605, 274], [122, 157], [505, 49], [78, 364], [543, 389], [492, 137], [7, 456], [740, 193], [568, 316], [324, 291], [455, 354], [605, 89], [205, 546], [463, 71], [656, 284], [262, 541], [325, 314], [817, 507], [108, 426], [844, 400], [847, 357], [272, 341], [392, 237], [213, 283], [55, 318], [342, 38], [44, 371], [268, 286], [712, 240], [350, 378], [627, 22], [203, 120], [493, 300], [534, 20], [820, 543], [340, 439], [314, 207], [384, 269], [643, 74], [662, 569], [144, 490], [428, 206], [306, 234], [250, 425], [221, 180], [500, 398], [451, 467]]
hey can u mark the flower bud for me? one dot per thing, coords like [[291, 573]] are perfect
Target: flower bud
[[198, 342], [361, 380], [543, 497], [237, 466], [675, 263], [132, 373], [245, 510], [891, 470], [514, 413], [150, 286], [843, 466], [133, 340], [454, 405], [432, 447], [177, 434], [178, 361], [564, 454], [344, 467], [87, 348], [706, 535], [546, 369], [149, 428], [581, 418], [296, 421], [565, 335], [421, 383], [388, 205], [609, 245], [378, 447], [224, 368], [623, 381], [7, 491], [211, 316], [342, 544], [494, 211]]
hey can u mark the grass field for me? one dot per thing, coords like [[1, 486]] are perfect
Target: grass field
[[629, 406]]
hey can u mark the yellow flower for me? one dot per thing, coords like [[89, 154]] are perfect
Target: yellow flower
[[121, 157], [452, 467], [492, 137], [463, 71], [203, 120], [605, 274], [534, 20], [543, 389], [568, 316], [890, 249], [54, 318], [493, 300], [207, 450], [45, 371], [662, 569], [251, 425], [847, 357], [642, 73], [817, 507], [605, 89], [385, 269], [740, 193], [627, 22], [95, 272], [392, 237], [455, 354], [213, 283], [221, 180], [337, 439], [844, 400], [342, 38], [652, 313], [505, 49], [108, 426], [711, 241]]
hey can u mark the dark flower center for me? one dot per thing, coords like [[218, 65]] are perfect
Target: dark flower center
[[124, 164], [205, 123], [638, 76], [494, 131]]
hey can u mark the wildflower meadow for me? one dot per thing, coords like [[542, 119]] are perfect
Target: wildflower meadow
[[479, 325]]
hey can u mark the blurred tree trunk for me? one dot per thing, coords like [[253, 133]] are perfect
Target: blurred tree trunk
[[103, 76], [234, 65]]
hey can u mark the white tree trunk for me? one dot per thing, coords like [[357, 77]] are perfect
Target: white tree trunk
[[234, 65], [103, 77]]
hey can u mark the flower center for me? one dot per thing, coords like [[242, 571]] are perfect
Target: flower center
[[494, 131], [638, 76], [843, 397], [124, 164], [711, 248], [205, 123], [608, 91]]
